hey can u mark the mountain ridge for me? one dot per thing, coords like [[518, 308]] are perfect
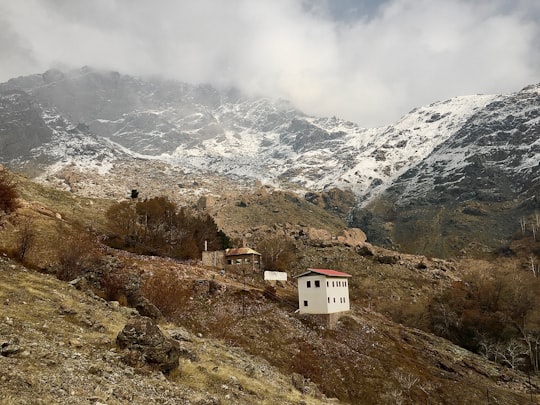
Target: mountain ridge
[[103, 133], [198, 128]]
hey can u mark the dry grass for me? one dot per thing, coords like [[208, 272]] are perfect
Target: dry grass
[[230, 376], [357, 360]]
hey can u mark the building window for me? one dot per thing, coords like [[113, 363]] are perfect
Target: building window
[[246, 260], [308, 284], [229, 261], [329, 300], [305, 303], [317, 283], [344, 284], [334, 300], [332, 284], [327, 284]]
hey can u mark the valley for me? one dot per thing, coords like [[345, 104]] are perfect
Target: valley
[[435, 217]]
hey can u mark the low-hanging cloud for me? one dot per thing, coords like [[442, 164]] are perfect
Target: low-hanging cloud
[[370, 68]]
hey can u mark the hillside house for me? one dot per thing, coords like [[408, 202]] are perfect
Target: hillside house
[[245, 257], [323, 291], [240, 258]]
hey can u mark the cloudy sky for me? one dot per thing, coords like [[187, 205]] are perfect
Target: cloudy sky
[[364, 60]]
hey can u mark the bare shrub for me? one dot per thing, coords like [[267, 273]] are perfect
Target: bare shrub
[[76, 254], [495, 313], [115, 286], [307, 362], [26, 239], [8, 192], [167, 292]]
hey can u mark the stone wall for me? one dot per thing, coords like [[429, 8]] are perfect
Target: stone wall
[[326, 320], [214, 259]]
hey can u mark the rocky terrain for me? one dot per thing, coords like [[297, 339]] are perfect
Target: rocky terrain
[[58, 345], [237, 341], [472, 190], [470, 162]]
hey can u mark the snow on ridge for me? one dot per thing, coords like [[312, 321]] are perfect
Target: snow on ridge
[[268, 140]]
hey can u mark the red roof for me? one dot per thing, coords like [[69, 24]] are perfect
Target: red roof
[[325, 272]]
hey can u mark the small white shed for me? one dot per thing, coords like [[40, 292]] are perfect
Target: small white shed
[[323, 291]]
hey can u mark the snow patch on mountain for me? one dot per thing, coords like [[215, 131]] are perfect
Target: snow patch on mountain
[[99, 119]]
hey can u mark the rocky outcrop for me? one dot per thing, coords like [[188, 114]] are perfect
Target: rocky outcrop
[[143, 305], [352, 237], [17, 140], [145, 344]]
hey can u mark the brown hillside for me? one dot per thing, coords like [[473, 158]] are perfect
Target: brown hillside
[[245, 342]]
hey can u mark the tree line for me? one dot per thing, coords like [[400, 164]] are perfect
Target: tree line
[[495, 314], [157, 226]]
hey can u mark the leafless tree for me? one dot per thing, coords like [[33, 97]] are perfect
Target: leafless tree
[[511, 354], [532, 341], [523, 224], [277, 252], [534, 266], [26, 238]]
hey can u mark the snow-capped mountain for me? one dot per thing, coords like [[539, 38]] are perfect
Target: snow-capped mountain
[[493, 156], [480, 148], [472, 190], [201, 129]]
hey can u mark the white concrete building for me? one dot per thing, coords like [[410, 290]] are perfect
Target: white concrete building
[[322, 291]]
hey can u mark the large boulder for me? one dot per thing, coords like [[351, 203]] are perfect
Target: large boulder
[[146, 344], [352, 237]]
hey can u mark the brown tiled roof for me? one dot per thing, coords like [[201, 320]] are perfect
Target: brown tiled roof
[[241, 251]]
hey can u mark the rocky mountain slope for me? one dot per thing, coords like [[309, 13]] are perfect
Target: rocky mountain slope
[[102, 133], [473, 188], [240, 344], [199, 128], [58, 345]]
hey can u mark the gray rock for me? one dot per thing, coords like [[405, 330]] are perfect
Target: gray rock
[[9, 348], [145, 343], [143, 305]]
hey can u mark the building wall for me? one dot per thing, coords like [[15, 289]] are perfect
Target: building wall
[[248, 262], [337, 294], [214, 259], [220, 260], [275, 275], [318, 294]]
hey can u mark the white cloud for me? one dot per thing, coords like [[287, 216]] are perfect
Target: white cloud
[[370, 69]]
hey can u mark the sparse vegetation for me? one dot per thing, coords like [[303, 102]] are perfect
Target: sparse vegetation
[[8, 192], [367, 359], [277, 253], [495, 313], [77, 253], [156, 226]]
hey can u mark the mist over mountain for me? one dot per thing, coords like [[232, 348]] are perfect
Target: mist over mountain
[[444, 176]]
